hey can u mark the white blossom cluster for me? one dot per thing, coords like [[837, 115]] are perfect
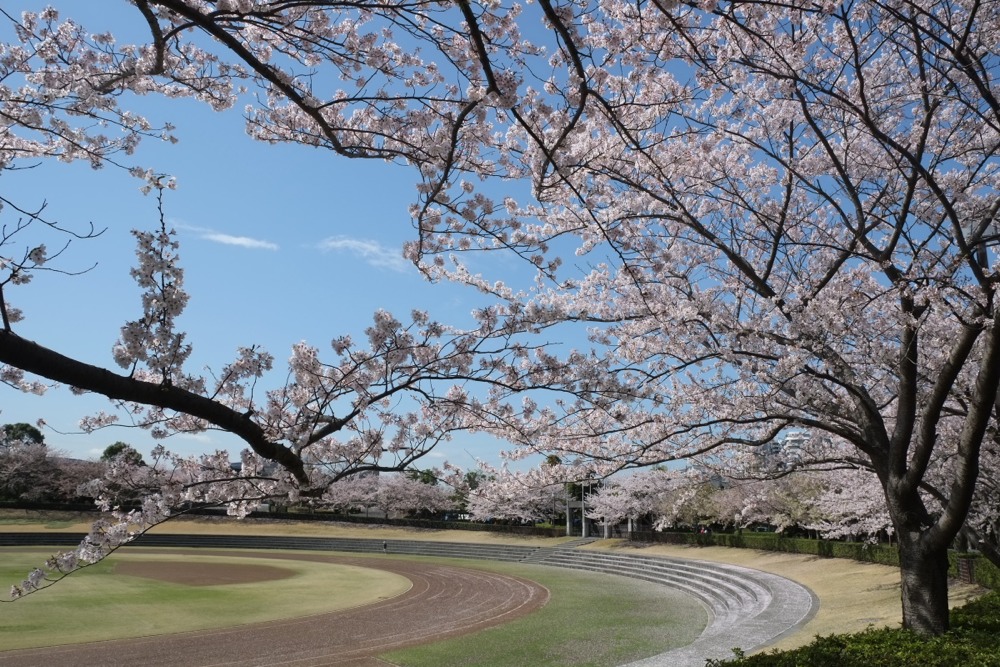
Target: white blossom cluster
[[750, 217]]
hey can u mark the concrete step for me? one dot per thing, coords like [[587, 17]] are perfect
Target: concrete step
[[650, 568]]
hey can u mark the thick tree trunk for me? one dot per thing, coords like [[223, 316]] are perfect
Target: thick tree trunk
[[924, 578]]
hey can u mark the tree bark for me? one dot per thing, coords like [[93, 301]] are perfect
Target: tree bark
[[44, 362], [924, 578]]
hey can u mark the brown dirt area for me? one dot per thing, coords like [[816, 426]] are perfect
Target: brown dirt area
[[194, 573]]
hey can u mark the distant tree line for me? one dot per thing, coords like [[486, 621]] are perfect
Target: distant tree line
[[30, 471]]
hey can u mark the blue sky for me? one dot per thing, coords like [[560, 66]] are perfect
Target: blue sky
[[279, 244]]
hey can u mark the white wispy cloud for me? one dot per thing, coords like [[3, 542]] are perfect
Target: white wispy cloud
[[197, 437], [242, 241], [229, 239], [372, 252]]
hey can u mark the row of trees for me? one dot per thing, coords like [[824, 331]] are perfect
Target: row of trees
[[776, 490], [794, 485], [827, 504], [761, 216], [392, 495], [30, 471]]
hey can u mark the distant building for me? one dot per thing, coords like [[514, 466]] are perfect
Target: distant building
[[782, 454]]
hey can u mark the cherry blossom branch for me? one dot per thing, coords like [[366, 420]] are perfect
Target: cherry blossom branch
[[52, 365]]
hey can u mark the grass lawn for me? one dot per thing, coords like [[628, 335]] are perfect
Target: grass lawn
[[13, 521], [99, 603], [853, 595], [592, 620]]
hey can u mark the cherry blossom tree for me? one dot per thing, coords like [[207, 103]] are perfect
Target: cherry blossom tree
[[329, 421], [391, 494], [827, 488], [403, 493], [636, 495], [850, 506], [352, 494], [512, 495], [984, 522], [780, 215], [378, 406], [32, 471], [26, 471], [802, 480]]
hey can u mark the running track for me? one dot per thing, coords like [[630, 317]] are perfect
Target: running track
[[443, 601]]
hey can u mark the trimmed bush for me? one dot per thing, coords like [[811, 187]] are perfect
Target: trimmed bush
[[881, 554], [985, 573], [973, 641]]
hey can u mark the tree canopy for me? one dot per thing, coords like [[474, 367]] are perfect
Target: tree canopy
[[764, 215], [21, 432], [124, 450]]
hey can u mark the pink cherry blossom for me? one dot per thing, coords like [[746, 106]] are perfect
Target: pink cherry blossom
[[753, 218]]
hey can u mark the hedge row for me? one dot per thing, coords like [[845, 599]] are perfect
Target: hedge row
[[984, 572], [974, 640], [429, 524], [868, 553]]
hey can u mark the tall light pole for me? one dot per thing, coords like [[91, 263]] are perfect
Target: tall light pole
[[569, 511]]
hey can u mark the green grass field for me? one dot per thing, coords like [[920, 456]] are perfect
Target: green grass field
[[591, 619], [99, 604]]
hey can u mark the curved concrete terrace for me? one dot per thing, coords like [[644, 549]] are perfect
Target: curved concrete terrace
[[747, 609]]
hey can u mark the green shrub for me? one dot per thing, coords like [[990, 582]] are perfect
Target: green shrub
[[981, 615], [882, 554], [973, 641], [986, 573]]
